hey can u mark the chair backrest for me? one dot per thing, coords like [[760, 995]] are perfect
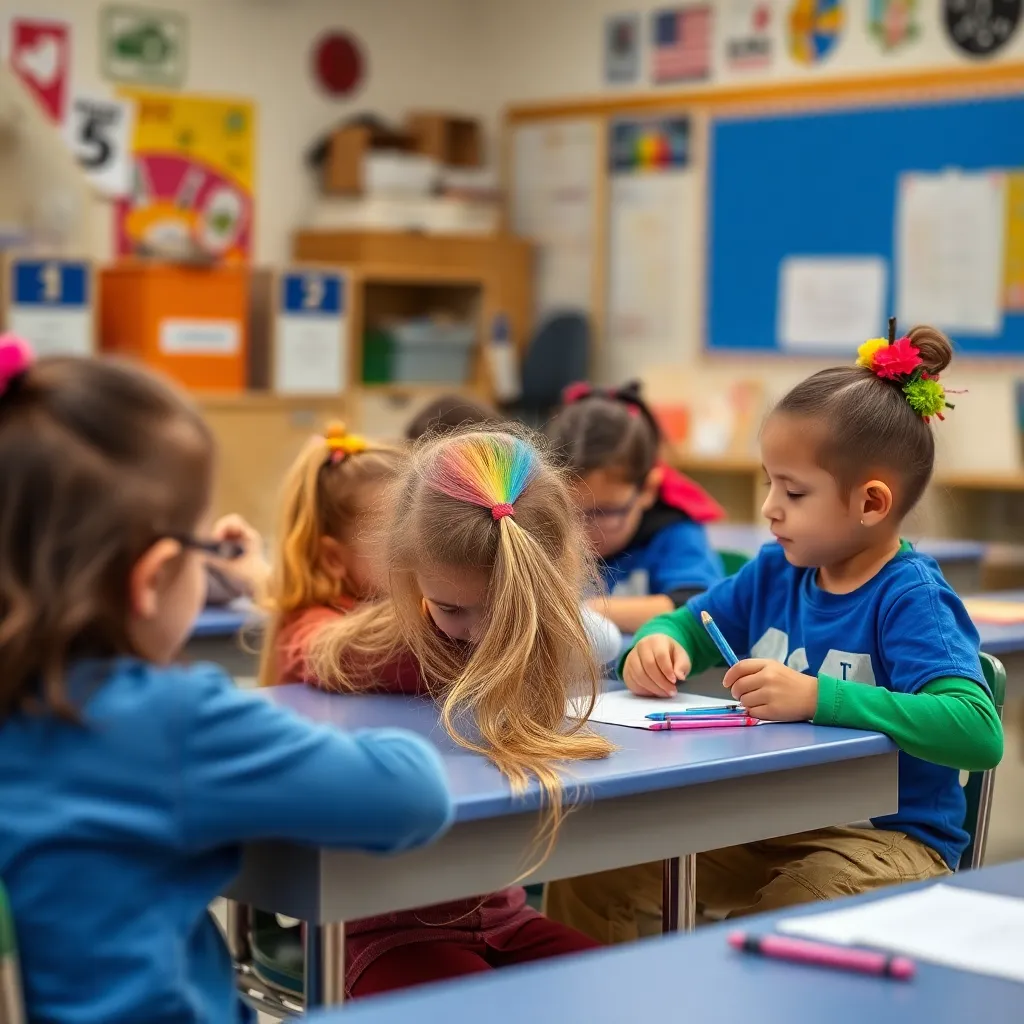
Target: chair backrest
[[12, 1006], [732, 561], [558, 355], [979, 786]]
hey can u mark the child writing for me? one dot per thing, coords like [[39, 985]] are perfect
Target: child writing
[[644, 520], [486, 563], [128, 783], [451, 413], [325, 560], [840, 622]]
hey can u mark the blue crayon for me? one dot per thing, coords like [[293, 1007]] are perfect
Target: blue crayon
[[720, 642]]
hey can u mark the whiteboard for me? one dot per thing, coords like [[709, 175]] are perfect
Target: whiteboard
[[652, 272], [556, 189]]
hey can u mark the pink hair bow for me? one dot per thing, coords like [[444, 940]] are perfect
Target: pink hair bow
[[16, 356]]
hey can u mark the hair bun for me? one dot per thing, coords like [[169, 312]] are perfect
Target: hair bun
[[935, 348]]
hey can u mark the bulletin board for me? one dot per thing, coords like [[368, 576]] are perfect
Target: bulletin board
[[829, 155], [826, 184]]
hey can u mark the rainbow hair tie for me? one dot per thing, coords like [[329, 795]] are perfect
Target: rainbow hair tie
[[341, 444], [899, 360], [489, 471]]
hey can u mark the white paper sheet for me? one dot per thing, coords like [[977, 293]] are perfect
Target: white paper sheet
[[950, 231], [830, 302], [621, 707], [971, 931]]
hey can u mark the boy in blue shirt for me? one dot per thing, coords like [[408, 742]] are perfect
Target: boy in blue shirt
[[839, 622]]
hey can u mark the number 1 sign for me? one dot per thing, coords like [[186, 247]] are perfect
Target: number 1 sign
[[50, 303]]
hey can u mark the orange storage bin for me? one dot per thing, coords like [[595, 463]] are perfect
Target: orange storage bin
[[189, 323]]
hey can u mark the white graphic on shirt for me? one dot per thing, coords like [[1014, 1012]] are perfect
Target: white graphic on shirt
[[774, 646], [636, 584], [797, 661], [854, 668]]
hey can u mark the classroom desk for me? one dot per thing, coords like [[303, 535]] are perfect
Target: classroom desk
[[959, 560], [703, 981], [216, 636], [660, 796]]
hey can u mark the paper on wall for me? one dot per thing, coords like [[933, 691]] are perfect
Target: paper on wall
[[98, 131], [950, 238], [830, 302]]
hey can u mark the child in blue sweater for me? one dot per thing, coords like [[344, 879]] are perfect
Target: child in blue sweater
[[840, 623], [128, 782]]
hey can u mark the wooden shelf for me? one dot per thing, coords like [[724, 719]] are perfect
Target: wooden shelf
[[981, 481]]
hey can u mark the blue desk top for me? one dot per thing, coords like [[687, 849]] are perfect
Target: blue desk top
[[747, 539], [698, 979], [224, 622], [644, 762], [999, 639]]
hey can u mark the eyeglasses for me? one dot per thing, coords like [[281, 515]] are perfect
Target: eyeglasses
[[614, 515], [226, 550]]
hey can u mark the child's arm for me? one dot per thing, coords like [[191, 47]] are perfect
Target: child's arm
[[253, 770], [630, 613], [950, 721]]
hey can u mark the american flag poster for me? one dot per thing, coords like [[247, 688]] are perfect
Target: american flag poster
[[682, 43]]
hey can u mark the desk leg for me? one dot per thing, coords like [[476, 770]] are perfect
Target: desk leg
[[325, 965], [670, 895], [679, 894]]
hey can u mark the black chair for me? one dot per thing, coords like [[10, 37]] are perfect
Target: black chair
[[558, 355]]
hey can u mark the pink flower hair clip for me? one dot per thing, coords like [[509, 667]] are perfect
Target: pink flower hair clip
[[16, 356]]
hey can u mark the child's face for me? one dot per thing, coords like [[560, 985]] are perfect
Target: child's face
[[612, 507], [456, 600], [805, 507], [167, 591]]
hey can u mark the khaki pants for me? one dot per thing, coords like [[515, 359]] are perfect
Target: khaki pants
[[625, 904]]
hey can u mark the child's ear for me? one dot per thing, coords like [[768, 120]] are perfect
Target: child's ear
[[875, 502], [333, 558], [149, 575]]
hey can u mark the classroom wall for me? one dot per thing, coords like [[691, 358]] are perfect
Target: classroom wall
[[418, 55], [540, 52]]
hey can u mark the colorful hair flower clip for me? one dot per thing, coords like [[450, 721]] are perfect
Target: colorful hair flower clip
[[16, 356], [341, 444], [899, 360]]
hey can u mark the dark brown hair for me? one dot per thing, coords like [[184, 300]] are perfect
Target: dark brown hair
[[607, 429], [98, 460], [449, 412], [869, 424]]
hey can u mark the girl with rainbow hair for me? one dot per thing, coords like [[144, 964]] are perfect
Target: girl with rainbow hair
[[486, 564]]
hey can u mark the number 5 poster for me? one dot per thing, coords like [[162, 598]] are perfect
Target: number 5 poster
[[193, 177]]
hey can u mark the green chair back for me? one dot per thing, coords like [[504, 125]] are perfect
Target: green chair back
[[12, 1005], [733, 561], [979, 786]]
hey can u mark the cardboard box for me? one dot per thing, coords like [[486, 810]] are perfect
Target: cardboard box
[[452, 141]]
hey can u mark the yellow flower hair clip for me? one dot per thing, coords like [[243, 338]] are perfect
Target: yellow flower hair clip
[[341, 444]]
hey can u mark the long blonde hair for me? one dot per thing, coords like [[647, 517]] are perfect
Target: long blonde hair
[[490, 501], [322, 496]]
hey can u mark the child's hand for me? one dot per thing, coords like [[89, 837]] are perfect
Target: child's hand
[[251, 567], [655, 665], [771, 691]]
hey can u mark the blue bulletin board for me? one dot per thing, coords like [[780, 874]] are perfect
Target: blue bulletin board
[[825, 184]]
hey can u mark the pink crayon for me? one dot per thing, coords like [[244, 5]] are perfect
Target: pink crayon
[[800, 951], [733, 722]]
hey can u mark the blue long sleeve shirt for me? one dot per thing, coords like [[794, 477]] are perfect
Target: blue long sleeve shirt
[[116, 833]]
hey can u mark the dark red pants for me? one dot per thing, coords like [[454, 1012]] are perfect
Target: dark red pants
[[420, 962]]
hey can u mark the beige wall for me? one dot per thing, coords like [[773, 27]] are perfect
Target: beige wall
[[542, 51], [418, 56]]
